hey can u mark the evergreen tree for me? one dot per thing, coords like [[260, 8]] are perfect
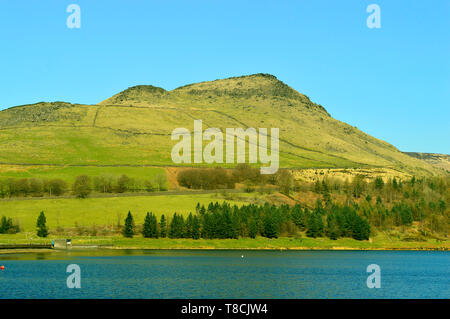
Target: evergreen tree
[[253, 228], [270, 227], [332, 227], [235, 225], [320, 226], [42, 230], [227, 224], [163, 226], [361, 229], [8, 227], [406, 215], [180, 230], [128, 230], [188, 226], [172, 226], [299, 217], [154, 226], [207, 230], [146, 229], [176, 226], [195, 227], [379, 183], [312, 226], [315, 225], [379, 201], [5, 225]]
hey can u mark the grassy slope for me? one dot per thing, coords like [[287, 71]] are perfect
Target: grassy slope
[[134, 126], [68, 173], [99, 211]]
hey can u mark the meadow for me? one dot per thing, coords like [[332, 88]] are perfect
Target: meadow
[[109, 211], [69, 173]]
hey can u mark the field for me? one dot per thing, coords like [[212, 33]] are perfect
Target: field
[[68, 173], [65, 212]]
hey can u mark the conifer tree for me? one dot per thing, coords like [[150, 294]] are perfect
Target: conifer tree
[[269, 225], [298, 217], [154, 226], [176, 226], [253, 228], [195, 227], [146, 229], [332, 227], [188, 226], [236, 225], [315, 225], [42, 230], [128, 230], [361, 229], [7, 226], [163, 226]]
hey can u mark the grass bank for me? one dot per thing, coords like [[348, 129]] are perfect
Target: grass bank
[[379, 242]]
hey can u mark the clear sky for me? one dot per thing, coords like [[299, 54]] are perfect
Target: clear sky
[[392, 82]]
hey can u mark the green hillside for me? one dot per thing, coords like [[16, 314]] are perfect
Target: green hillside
[[133, 127]]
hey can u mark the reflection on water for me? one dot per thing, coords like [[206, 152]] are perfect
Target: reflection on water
[[225, 274]]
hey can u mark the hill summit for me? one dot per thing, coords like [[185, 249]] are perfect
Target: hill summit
[[134, 127], [253, 86]]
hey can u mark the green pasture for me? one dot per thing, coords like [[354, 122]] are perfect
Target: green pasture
[[69, 173], [67, 212]]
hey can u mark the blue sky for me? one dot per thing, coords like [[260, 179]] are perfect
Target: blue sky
[[392, 82]]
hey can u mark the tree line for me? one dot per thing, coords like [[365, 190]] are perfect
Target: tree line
[[221, 178], [326, 218], [393, 202], [81, 187], [221, 221]]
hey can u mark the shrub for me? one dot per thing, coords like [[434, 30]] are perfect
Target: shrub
[[7, 226]]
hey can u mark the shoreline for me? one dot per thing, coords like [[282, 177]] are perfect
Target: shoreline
[[97, 249], [20, 244]]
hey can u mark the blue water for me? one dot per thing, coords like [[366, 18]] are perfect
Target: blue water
[[225, 274]]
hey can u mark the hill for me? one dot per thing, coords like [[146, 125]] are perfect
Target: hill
[[133, 127], [441, 161]]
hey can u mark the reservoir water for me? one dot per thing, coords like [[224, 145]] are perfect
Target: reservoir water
[[226, 274]]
